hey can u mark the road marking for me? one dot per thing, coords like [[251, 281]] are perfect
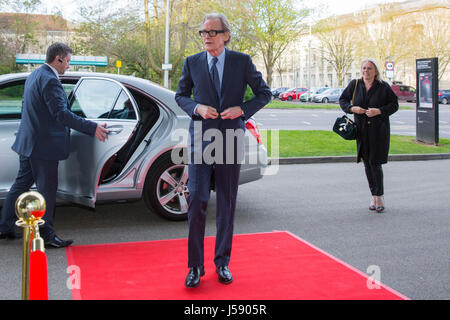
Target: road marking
[[306, 122]]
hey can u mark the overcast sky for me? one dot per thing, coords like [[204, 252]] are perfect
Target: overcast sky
[[69, 8]]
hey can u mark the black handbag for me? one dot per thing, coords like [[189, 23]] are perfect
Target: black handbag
[[344, 126]]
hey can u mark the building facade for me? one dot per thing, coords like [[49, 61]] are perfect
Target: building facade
[[398, 33]]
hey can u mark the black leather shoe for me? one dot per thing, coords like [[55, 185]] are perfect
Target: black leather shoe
[[193, 277], [10, 235], [57, 242], [224, 273]]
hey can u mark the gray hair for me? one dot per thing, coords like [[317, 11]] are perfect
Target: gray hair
[[223, 20], [378, 77]]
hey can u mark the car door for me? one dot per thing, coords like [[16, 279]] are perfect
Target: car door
[[104, 101], [11, 94]]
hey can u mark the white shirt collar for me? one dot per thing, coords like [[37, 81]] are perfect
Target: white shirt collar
[[54, 70]]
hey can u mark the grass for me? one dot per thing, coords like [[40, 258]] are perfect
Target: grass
[[296, 143], [278, 104]]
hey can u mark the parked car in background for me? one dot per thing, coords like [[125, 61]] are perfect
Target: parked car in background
[[143, 155], [329, 95], [307, 96], [276, 92], [444, 96], [404, 92], [292, 94]]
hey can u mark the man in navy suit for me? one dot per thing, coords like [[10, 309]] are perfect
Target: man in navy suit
[[218, 79], [43, 139]]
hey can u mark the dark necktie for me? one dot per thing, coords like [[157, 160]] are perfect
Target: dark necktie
[[215, 76]]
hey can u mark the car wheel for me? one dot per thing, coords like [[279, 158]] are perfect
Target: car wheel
[[444, 101], [165, 189], [325, 100], [289, 98]]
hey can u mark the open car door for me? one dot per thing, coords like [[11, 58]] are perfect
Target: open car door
[[104, 101]]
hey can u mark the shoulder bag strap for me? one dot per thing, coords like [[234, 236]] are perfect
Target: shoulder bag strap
[[356, 86]]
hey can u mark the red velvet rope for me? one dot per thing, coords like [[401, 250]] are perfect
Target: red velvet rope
[[38, 276]]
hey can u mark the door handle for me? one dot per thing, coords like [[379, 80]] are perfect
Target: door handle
[[114, 129]]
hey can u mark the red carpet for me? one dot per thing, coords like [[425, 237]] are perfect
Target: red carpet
[[265, 266]]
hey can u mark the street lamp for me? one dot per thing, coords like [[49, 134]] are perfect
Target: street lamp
[[309, 56], [166, 66]]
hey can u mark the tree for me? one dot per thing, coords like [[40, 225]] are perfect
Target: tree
[[19, 34], [112, 33], [339, 45], [274, 24], [433, 38], [180, 12], [388, 34]]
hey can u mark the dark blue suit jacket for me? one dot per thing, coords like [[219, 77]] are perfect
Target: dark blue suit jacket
[[44, 128], [239, 71]]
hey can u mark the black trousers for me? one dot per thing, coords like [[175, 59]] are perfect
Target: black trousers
[[374, 174]]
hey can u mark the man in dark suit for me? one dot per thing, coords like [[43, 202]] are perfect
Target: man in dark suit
[[218, 79], [43, 139]]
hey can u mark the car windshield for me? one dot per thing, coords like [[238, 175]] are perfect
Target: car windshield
[[320, 90]]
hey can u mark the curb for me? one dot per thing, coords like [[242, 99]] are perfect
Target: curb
[[337, 159]]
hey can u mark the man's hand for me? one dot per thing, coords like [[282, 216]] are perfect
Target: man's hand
[[358, 110], [232, 113], [101, 133], [372, 112], [207, 112]]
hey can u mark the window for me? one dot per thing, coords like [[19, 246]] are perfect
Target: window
[[11, 95], [98, 98], [68, 87], [123, 108], [95, 98]]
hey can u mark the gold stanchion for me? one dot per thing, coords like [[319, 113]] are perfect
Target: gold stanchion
[[30, 207]]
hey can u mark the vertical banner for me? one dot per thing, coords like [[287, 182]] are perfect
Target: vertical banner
[[427, 104]]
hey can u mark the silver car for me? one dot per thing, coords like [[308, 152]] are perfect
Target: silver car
[[147, 128], [329, 95]]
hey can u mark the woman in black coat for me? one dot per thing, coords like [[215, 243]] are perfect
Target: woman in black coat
[[373, 103]]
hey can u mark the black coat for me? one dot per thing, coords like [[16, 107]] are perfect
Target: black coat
[[373, 134]]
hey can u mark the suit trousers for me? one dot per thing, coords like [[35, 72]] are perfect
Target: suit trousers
[[45, 174], [226, 177]]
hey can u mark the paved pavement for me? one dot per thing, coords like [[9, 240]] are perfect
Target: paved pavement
[[325, 204]]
